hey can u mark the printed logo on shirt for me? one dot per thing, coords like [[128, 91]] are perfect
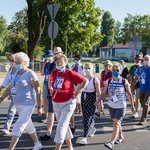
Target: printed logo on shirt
[[59, 82]]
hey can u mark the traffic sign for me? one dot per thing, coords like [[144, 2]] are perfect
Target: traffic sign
[[53, 9], [53, 30]]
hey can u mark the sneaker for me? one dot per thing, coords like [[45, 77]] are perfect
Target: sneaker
[[37, 146], [73, 129], [135, 115], [44, 121], [83, 141], [5, 131], [119, 140], [45, 137], [92, 132], [109, 145]]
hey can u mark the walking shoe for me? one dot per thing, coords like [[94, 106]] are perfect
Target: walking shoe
[[45, 137], [135, 115], [44, 121], [109, 145], [142, 122], [73, 129], [83, 141], [37, 146], [5, 131], [97, 114], [92, 132], [119, 140]]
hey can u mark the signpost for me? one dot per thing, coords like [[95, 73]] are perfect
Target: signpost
[[136, 44], [53, 27]]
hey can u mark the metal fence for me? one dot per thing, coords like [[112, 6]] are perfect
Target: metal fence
[[4, 66]]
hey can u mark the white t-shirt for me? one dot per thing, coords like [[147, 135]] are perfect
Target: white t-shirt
[[24, 93], [117, 93], [91, 87]]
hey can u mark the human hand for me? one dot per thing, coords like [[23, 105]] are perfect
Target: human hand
[[39, 111]]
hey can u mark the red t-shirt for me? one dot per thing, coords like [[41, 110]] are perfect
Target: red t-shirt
[[104, 76], [63, 84]]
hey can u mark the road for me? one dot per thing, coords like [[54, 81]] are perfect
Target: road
[[136, 137]]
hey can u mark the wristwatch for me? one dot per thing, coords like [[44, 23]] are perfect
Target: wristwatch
[[39, 107]]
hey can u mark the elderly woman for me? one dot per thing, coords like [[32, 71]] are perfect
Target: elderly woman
[[11, 109], [117, 87], [88, 99], [61, 85], [24, 84]]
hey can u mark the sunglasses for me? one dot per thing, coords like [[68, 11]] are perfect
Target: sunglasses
[[116, 70], [87, 68]]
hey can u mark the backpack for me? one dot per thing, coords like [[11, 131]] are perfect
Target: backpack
[[123, 82]]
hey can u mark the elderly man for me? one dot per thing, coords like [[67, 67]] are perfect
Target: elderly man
[[143, 75]]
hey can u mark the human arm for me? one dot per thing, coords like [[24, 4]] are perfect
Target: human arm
[[102, 95], [36, 86], [81, 87], [130, 97], [43, 67], [6, 93]]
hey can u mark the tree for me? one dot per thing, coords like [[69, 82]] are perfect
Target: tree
[[117, 32], [3, 33], [107, 29]]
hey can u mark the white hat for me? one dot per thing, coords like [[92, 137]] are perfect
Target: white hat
[[57, 50]]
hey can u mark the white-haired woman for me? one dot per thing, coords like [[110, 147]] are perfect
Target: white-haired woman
[[22, 87], [117, 87], [11, 110], [61, 85]]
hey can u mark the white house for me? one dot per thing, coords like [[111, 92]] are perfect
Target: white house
[[119, 50]]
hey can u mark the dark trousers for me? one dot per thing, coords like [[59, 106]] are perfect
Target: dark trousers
[[144, 100], [88, 110]]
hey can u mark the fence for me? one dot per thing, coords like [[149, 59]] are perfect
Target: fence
[[4, 66]]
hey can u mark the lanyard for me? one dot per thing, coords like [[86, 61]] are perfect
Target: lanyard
[[114, 88], [17, 77], [58, 81]]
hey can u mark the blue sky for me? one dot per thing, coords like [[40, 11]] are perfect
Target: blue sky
[[118, 8]]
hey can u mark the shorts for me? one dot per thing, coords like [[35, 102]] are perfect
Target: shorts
[[117, 113], [50, 104], [45, 91]]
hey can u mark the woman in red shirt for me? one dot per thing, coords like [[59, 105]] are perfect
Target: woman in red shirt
[[105, 74], [64, 96]]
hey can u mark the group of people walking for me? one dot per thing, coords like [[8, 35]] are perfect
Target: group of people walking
[[66, 88]]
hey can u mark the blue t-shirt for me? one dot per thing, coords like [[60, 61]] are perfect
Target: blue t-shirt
[[46, 72], [144, 74]]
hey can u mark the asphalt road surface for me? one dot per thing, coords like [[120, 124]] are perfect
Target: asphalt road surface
[[136, 137]]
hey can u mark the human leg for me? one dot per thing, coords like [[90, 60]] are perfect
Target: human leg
[[63, 112], [145, 108], [10, 116]]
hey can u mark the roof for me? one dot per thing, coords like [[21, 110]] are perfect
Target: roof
[[117, 46]]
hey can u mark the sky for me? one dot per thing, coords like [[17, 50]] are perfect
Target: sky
[[118, 8]]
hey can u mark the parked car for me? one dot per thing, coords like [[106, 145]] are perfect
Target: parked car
[[124, 58], [115, 58]]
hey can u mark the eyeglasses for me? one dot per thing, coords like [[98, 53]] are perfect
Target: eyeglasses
[[116, 70], [87, 68], [106, 65], [11, 60], [76, 59], [57, 53]]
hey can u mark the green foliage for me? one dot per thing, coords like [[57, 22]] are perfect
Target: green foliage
[[3, 33], [77, 21], [107, 29]]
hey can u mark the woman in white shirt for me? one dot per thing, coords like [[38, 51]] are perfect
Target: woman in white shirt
[[88, 99]]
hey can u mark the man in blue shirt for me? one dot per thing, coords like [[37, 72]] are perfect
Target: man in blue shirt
[[143, 75]]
